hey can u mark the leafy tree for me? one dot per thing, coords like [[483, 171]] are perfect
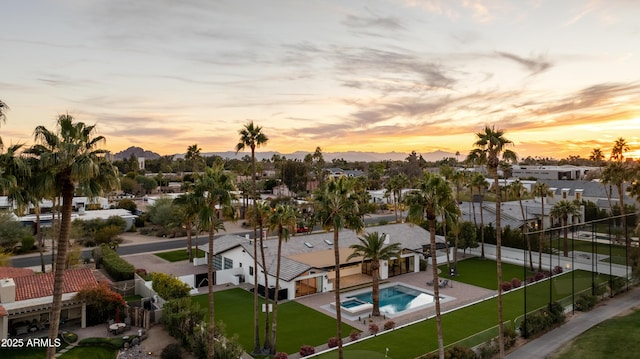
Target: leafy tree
[[468, 236], [373, 248], [162, 213], [169, 286], [128, 204], [72, 155], [102, 302], [11, 230]]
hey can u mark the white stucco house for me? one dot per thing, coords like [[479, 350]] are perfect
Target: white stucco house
[[307, 265]]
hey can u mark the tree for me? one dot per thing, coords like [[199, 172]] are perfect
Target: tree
[[562, 210], [373, 248], [429, 200], [395, 185], [458, 179], [72, 155], [3, 116], [596, 156], [517, 189], [617, 173], [103, 303], [468, 236], [480, 182], [282, 219], [188, 205], [193, 155], [336, 208], [215, 187], [493, 145], [541, 190], [251, 136]]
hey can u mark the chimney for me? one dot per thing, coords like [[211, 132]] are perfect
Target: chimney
[[7, 290]]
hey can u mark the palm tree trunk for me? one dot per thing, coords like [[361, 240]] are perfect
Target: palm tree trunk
[[211, 347], [541, 236], [189, 249], [58, 279], [499, 263], [565, 242], [623, 216], [436, 287], [375, 287], [40, 238], [274, 318], [336, 252], [267, 342], [482, 229], [525, 231], [256, 318]]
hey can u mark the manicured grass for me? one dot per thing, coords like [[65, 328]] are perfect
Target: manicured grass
[[420, 338], [613, 338], [482, 272], [90, 352], [297, 324], [179, 255]]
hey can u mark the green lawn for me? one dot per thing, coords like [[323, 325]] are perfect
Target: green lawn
[[482, 272], [420, 338], [297, 324], [614, 338], [179, 255], [90, 352]]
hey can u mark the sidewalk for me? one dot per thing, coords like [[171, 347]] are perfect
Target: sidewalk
[[554, 340]]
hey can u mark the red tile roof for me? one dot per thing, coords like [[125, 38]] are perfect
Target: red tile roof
[[41, 285], [12, 272]]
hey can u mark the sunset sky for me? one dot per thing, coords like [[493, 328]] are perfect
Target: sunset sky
[[561, 77]]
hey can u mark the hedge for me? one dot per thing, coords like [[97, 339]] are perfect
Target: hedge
[[118, 268]]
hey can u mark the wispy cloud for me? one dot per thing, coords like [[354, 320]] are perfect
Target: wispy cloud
[[535, 65]]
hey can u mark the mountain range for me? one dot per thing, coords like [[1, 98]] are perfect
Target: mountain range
[[349, 156]]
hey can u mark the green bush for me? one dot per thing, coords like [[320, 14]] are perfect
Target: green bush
[[27, 243], [169, 286], [171, 351], [586, 302], [116, 267], [542, 320], [455, 352]]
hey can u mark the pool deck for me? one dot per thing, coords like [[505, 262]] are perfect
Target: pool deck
[[463, 294]]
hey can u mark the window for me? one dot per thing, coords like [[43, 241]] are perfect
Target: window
[[217, 262], [228, 263], [578, 196], [250, 270]]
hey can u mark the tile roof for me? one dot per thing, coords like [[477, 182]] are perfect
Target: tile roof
[[41, 285], [12, 272]]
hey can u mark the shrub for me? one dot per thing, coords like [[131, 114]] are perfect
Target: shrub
[[169, 286], [373, 328], [456, 352], [510, 336], [171, 351], [281, 355], [306, 350], [516, 282], [538, 276], [27, 243], [333, 342], [542, 320], [506, 286], [354, 335], [116, 267], [557, 270], [389, 324]]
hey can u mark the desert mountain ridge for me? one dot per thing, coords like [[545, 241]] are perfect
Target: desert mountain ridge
[[349, 156]]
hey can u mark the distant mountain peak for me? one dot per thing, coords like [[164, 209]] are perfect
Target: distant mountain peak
[[137, 152]]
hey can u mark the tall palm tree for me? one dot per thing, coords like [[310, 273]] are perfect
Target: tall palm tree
[[264, 210], [282, 220], [215, 188], [373, 248], [336, 208], [394, 186], [188, 205], [193, 155], [494, 145], [596, 156], [480, 182], [3, 116], [541, 189], [457, 179], [617, 173], [563, 209], [71, 153], [430, 199], [251, 136], [517, 189]]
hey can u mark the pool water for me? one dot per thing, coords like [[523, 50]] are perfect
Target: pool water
[[351, 303], [397, 298]]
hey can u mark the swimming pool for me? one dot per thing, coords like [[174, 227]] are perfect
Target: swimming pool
[[396, 298]]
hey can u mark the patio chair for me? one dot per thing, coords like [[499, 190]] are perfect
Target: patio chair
[[430, 283], [444, 283]]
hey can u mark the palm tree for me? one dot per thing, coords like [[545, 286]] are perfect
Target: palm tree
[[252, 136], [3, 117], [541, 190], [457, 179], [394, 186], [617, 173], [480, 182], [562, 210], [337, 208], [215, 188], [517, 189], [188, 205], [373, 248], [264, 210], [596, 156], [283, 220], [73, 157], [430, 199], [193, 154], [494, 145]]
